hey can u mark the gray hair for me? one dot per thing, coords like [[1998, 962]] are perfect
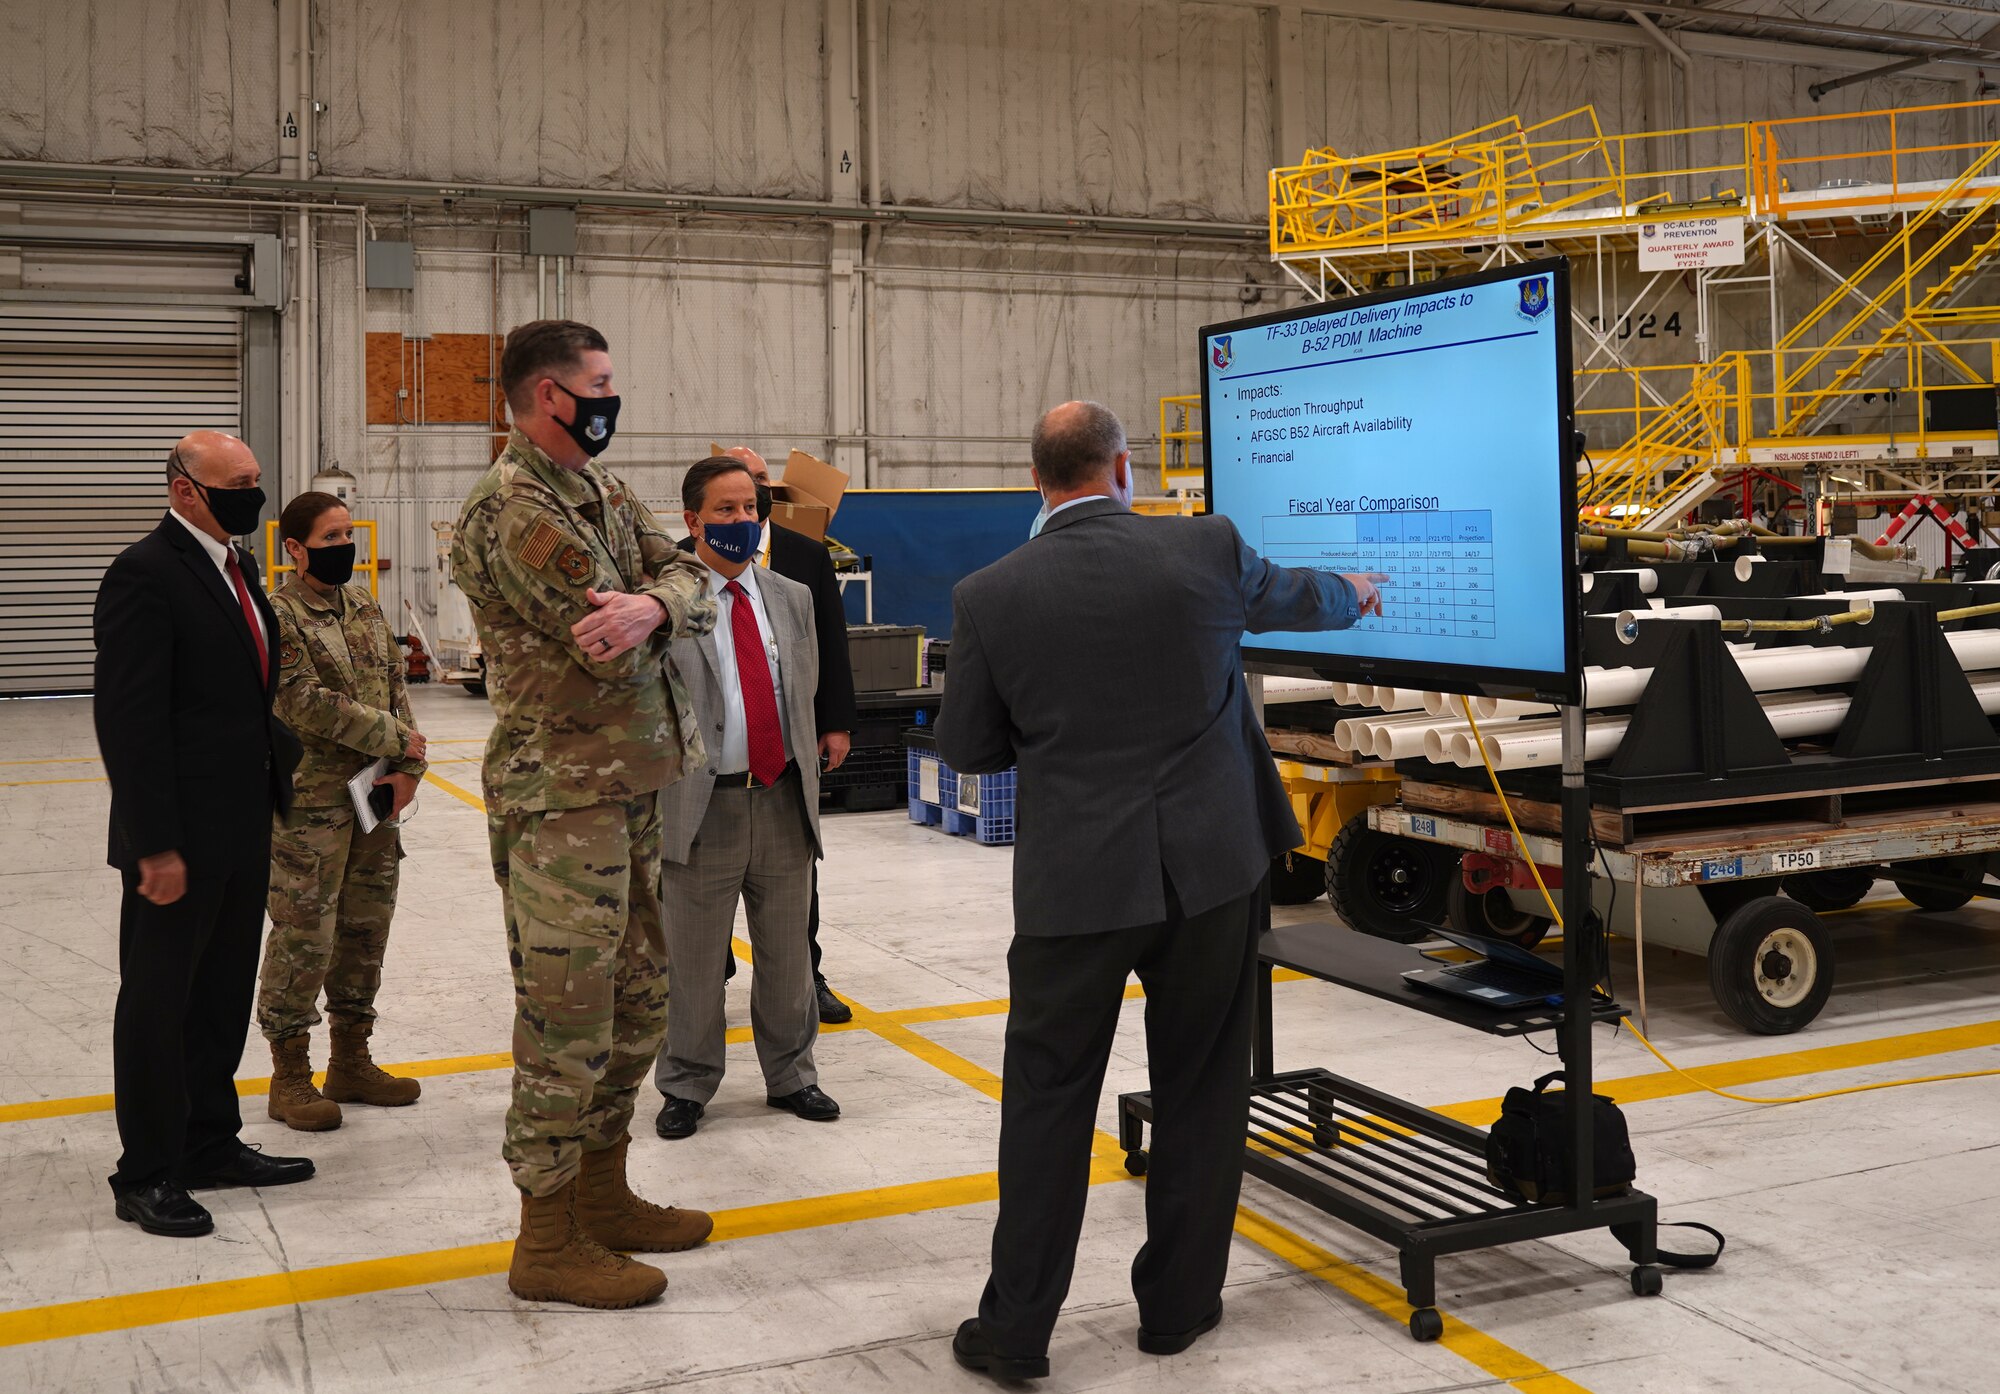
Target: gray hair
[[1075, 444]]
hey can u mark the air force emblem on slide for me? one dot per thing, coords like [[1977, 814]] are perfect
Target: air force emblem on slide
[[1534, 297], [1222, 355]]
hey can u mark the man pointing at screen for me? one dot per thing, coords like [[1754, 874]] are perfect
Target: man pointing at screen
[[1101, 658]]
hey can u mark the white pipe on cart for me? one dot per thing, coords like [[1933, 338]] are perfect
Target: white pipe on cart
[[1773, 670], [1527, 744], [1744, 564], [1394, 699], [1369, 731], [1649, 579]]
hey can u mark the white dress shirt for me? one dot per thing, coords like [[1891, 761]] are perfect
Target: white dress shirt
[[218, 552], [1072, 503], [735, 753]]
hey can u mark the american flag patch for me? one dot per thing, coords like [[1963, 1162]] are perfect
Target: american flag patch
[[541, 544]]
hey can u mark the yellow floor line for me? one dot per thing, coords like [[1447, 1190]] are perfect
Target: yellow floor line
[[30, 783], [57, 760], [1501, 1361], [462, 795]]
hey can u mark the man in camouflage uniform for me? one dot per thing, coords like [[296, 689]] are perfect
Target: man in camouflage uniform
[[576, 591], [333, 886]]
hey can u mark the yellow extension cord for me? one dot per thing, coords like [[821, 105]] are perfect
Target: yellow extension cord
[[1521, 844]]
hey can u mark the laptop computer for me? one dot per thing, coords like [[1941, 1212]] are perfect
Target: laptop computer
[[1505, 975]]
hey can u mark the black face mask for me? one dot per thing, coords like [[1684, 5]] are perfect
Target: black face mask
[[235, 511], [332, 566], [763, 503], [595, 422]]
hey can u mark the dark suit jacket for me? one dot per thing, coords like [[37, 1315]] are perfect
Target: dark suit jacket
[[1102, 658], [797, 557], [188, 738]]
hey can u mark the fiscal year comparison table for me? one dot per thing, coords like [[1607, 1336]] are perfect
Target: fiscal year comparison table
[[1439, 564]]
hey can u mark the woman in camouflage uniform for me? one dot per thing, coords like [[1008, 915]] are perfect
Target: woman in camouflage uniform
[[333, 887]]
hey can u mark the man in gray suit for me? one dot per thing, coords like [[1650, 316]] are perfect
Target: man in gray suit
[[1101, 659], [745, 825]]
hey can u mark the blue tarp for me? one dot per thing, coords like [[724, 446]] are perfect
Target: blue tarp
[[925, 541]]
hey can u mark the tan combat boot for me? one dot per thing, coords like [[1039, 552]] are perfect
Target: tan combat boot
[[609, 1213], [294, 1102], [555, 1261], [353, 1078]]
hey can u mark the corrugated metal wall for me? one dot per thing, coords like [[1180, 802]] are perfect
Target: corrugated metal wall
[[1130, 108]]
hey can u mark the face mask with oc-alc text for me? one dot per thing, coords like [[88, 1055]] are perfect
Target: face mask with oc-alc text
[[733, 541]]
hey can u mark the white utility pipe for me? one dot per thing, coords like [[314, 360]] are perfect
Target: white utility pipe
[[1390, 699], [1649, 579], [1408, 740], [1297, 690], [1683, 612], [1364, 731], [1526, 744], [1772, 670], [1744, 565]]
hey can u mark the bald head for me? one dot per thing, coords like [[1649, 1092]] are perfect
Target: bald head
[[1079, 448], [752, 461], [205, 460]]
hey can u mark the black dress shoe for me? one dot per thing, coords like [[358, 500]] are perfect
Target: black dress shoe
[[164, 1208], [832, 1011], [679, 1118], [809, 1103], [972, 1350], [249, 1167], [1173, 1343], [729, 968]]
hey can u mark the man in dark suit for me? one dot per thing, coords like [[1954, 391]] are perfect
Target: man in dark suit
[[799, 558], [1101, 659], [186, 670]]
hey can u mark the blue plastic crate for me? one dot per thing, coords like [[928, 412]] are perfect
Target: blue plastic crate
[[924, 808], [984, 808]]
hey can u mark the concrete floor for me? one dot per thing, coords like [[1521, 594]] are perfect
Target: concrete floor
[[1863, 1229]]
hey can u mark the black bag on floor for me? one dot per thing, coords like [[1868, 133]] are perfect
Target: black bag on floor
[[1527, 1151]]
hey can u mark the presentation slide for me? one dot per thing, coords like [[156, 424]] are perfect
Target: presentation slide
[[1418, 438]]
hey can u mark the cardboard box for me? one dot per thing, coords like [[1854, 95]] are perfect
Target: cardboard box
[[806, 499], [809, 495]]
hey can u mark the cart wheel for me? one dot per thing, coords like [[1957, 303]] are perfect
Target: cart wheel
[[1823, 891], [1771, 966], [1969, 870], [1646, 1282], [1135, 1162], [1426, 1324], [1492, 914], [1391, 887], [1297, 879], [476, 689]]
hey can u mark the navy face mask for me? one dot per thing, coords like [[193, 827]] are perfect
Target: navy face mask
[[733, 541]]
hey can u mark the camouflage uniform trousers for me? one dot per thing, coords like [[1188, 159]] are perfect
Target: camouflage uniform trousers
[[333, 891], [581, 891]]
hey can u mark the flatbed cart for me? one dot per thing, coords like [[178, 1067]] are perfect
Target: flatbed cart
[[1747, 898], [1329, 796]]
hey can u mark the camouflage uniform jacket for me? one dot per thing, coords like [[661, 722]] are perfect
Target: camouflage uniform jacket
[[574, 730], [340, 687]]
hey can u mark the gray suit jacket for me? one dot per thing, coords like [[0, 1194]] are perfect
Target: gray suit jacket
[[1102, 658], [684, 804]]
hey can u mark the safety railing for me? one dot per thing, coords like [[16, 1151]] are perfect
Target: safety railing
[[366, 559], [1566, 175], [1180, 439]]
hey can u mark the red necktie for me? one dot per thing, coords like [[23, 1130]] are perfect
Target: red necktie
[[250, 618], [760, 698]]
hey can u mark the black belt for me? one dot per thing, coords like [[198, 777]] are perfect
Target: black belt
[[744, 779]]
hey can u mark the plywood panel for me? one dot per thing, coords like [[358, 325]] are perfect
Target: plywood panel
[[448, 379]]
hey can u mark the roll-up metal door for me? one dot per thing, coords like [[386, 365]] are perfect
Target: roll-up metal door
[[92, 397]]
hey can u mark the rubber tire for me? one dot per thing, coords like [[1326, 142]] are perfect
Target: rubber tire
[[1135, 1163], [1646, 1282], [1930, 898], [1359, 904], [1426, 1324], [1732, 965], [1297, 879], [476, 689], [1825, 891], [1493, 915]]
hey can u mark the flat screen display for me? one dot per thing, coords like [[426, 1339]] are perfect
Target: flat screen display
[[1422, 434]]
